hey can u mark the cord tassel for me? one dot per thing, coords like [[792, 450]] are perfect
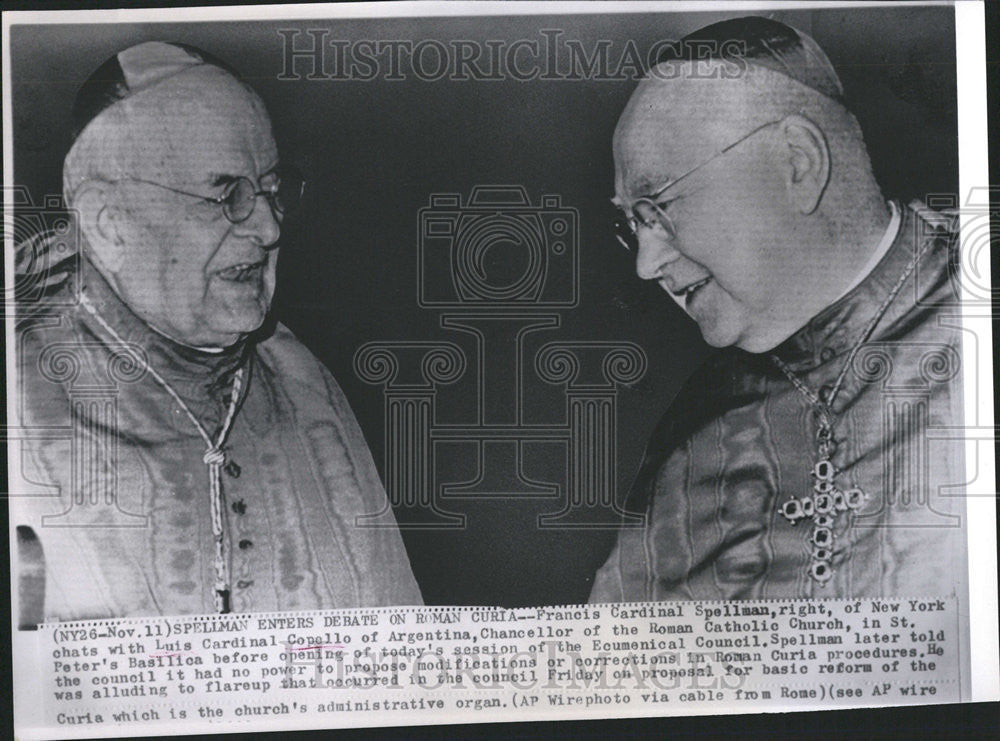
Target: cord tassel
[[215, 459]]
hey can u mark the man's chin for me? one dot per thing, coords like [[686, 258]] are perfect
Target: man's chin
[[236, 318], [225, 329], [719, 336], [759, 344], [233, 333], [745, 338]]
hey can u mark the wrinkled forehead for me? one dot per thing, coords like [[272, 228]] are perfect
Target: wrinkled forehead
[[671, 125], [196, 125]]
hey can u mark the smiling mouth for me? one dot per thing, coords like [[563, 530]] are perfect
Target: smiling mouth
[[691, 290], [243, 272]]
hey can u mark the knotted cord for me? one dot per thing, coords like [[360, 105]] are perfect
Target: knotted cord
[[214, 457]]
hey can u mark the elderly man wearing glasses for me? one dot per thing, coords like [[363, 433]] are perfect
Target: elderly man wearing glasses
[[797, 462], [227, 473]]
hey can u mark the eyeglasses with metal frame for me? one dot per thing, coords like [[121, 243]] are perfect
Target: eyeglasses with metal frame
[[648, 211], [239, 199]]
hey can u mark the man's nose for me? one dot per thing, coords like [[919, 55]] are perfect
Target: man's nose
[[655, 251], [262, 224]]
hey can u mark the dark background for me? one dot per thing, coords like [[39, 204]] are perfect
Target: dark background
[[374, 152]]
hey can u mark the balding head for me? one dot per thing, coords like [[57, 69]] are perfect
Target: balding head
[[684, 114], [151, 133], [767, 170]]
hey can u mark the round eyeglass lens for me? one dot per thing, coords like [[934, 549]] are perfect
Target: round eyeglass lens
[[624, 234], [289, 190], [240, 200]]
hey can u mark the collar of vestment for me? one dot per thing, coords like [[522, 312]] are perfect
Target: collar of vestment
[[837, 328], [202, 379]]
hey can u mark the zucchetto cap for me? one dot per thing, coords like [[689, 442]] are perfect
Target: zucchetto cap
[[133, 70], [763, 42]]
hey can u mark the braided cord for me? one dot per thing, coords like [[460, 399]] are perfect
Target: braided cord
[[214, 457], [825, 407]]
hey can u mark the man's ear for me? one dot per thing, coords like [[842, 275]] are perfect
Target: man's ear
[[808, 170], [100, 221]]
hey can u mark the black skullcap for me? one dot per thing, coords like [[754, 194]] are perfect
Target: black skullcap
[[765, 43], [137, 68]]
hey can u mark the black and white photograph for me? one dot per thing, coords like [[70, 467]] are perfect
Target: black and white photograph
[[500, 346]]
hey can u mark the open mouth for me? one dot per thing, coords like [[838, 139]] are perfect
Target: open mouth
[[243, 272], [691, 290]]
